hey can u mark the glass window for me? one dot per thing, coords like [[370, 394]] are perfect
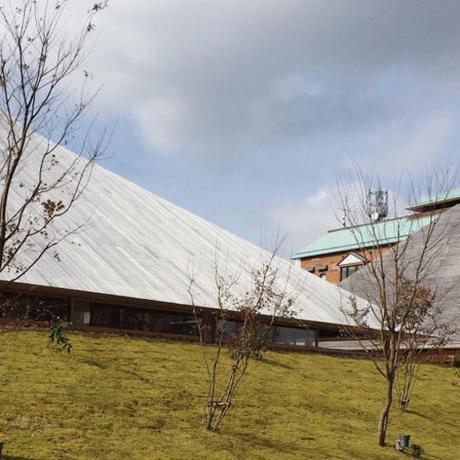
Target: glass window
[[140, 319], [230, 328], [293, 336], [282, 335], [34, 308], [345, 272]]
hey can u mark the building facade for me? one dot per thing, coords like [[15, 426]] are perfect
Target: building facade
[[129, 266], [342, 251], [24, 304]]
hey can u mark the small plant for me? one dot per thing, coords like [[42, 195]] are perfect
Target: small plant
[[57, 338], [417, 450], [253, 314]]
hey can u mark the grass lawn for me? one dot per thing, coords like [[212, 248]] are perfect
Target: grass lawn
[[128, 398]]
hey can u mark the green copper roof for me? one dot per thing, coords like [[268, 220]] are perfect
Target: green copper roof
[[367, 235], [452, 195]]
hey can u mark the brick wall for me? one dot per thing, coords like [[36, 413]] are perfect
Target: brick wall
[[331, 260]]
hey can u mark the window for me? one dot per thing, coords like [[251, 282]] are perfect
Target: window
[[34, 308], [345, 272], [292, 336], [139, 319], [350, 264], [282, 335], [230, 328]]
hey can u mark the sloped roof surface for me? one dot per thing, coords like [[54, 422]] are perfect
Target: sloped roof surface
[[139, 245], [443, 274], [345, 239], [452, 196]]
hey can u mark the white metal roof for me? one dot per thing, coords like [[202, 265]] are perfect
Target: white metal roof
[[139, 245]]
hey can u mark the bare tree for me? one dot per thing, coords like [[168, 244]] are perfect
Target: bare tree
[[242, 324], [395, 303], [40, 62]]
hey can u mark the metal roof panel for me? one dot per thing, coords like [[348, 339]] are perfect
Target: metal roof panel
[[136, 244], [350, 238]]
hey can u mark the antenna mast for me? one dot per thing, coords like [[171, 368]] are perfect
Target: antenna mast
[[377, 205]]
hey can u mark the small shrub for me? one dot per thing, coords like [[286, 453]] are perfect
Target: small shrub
[[417, 450], [57, 338]]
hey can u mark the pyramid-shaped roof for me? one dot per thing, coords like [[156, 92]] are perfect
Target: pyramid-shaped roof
[[136, 244]]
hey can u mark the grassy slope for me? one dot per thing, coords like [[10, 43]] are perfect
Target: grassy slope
[[117, 398]]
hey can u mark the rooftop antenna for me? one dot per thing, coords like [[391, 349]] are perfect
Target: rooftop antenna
[[344, 216], [377, 204]]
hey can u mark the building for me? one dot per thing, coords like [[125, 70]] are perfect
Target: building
[[128, 268], [443, 273], [342, 251]]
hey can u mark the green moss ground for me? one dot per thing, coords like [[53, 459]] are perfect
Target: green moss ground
[[126, 398]]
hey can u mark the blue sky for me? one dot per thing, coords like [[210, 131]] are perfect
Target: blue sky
[[246, 112]]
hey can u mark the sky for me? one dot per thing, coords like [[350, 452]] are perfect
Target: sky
[[246, 112]]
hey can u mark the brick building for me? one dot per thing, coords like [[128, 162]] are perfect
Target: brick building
[[340, 252], [441, 275]]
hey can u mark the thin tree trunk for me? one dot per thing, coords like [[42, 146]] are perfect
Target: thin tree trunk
[[384, 415]]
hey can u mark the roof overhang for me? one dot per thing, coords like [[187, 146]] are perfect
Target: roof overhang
[[96, 297]]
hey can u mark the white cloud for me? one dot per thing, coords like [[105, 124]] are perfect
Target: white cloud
[[426, 142], [230, 77], [415, 145], [304, 220]]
